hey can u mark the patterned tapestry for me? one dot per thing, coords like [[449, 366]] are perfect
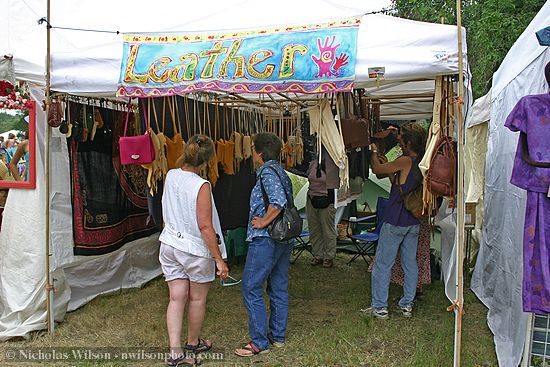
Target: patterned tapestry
[[314, 58], [109, 200]]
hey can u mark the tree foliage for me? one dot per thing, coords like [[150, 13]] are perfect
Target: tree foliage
[[492, 27], [12, 122]]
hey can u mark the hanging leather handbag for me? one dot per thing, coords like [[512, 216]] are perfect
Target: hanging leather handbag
[[355, 130], [441, 176], [288, 224], [137, 149], [55, 112]]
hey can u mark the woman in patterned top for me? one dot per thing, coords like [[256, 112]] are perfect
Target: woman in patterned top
[[267, 260]]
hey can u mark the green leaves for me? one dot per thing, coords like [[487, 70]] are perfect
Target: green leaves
[[492, 27]]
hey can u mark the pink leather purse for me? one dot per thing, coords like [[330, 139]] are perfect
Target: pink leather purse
[[137, 149]]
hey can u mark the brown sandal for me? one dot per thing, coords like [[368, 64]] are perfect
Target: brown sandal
[[250, 350]]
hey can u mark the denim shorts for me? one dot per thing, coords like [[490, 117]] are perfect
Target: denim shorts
[[177, 264]]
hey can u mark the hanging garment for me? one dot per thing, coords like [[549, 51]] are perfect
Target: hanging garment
[[109, 200], [232, 196], [237, 139], [160, 154], [235, 243], [228, 161], [213, 173], [531, 117], [156, 170], [174, 146], [299, 146], [153, 167], [288, 155], [247, 147], [154, 205], [322, 122]]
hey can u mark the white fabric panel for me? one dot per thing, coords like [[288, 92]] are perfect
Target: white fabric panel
[[447, 225], [480, 111], [61, 229], [23, 253], [406, 48], [7, 72], [475, 151], [23, 38], [131, 266], [497, 277]]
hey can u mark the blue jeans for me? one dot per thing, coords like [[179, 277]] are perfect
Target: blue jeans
[[391, 239], [266, 260]]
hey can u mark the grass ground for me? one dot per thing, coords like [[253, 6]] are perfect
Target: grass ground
[[325, 328]]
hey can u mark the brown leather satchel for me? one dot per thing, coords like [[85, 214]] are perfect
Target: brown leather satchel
[[413, 200], [55, 113], [355, 130], [441, 176]]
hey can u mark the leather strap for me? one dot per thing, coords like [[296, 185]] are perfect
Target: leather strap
[[128, 116]]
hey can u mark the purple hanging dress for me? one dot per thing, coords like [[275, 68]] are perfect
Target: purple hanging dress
[[531, 116]]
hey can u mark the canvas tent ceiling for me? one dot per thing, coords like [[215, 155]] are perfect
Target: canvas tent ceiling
[[497, 278], [87, 63]]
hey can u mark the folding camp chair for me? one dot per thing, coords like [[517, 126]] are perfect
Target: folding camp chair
[[302, 244], [365, 243]]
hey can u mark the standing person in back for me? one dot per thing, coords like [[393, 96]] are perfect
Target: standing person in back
[[267, 260], [323, 179], [191, 248], [400, 229]]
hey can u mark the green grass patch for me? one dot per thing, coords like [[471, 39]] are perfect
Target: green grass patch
[[324, 329]]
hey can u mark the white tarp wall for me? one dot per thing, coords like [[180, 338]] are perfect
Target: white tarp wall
[[88, 63], [497, 278], [475, 152]]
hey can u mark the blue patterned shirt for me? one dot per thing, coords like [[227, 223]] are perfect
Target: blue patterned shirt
[[275, 190]]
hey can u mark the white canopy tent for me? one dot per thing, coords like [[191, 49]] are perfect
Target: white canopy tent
[[498, 274], [87, 63]]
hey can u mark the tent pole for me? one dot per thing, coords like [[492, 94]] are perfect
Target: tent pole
[[460, 194], [49, 285]]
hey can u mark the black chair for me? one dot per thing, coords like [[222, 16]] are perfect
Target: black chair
[[365, 243], [302, 244]]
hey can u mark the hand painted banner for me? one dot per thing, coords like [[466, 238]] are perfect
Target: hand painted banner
[[314, 58]]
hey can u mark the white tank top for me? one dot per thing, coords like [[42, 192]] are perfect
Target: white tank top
[[179, 212]]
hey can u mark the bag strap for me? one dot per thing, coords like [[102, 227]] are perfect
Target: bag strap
[[127, 115], [397, 178], [398, 183], [187, 118], [289, 200], [525, 153], [172, 114]]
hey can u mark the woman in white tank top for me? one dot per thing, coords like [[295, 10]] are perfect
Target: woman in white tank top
[[191, 248]]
